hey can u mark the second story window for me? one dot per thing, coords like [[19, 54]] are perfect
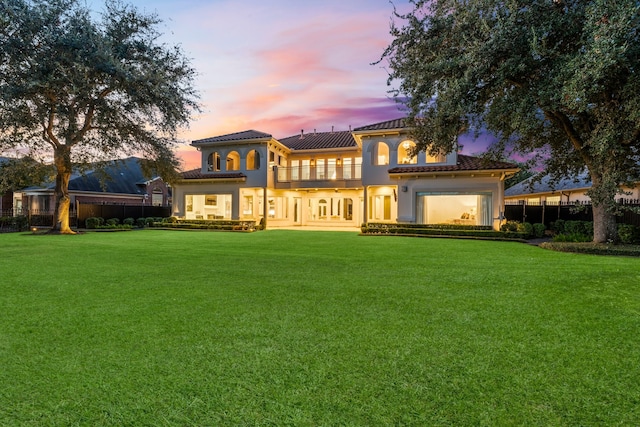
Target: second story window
[[381, 154], [253, 160], [233, 161], [405, 153], [213, 162]]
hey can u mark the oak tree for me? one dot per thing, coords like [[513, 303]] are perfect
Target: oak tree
[[88, 87], [556, 78]]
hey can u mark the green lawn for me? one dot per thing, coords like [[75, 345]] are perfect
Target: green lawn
[[170, 328]]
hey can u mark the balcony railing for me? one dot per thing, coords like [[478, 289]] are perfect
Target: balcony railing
[[326, 173]]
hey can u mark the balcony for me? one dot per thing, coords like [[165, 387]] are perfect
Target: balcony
[[327, 176]]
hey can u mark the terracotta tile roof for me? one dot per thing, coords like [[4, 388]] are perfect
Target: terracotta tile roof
[[198, 174], [320, 140], [389, 124], [465, 163], [238, 136]]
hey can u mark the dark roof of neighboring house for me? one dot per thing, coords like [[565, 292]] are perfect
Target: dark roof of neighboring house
[[238, 136], [198, 174], [389, 124], [536, 185], [320, 140], [123, 176], [465, 163]]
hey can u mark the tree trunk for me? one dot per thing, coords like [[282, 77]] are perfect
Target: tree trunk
[[603, 195], [62, 161], [605, 228]]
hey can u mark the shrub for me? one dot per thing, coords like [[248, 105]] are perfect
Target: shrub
[[510, 226], [538, 230], [578, 227], [149, 221], [628, 233], [141, 222], [572, 237], [558, 226], [93, 222], [128, 221], [525, 228], [113, 222]]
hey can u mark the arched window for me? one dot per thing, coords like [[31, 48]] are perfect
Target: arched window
[[381, 154], [213, 162], [406, 154], [253, 160], [233, 161]]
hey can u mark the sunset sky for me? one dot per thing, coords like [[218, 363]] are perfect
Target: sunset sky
[[280, 66]]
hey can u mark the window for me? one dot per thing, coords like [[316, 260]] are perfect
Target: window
[[405, 153], [331, 168], [253, 160], [454, 208], [320, 173], [380, 208], [247, 206], [346, 168], [233, 161], [213, 162], [348, 209], [189, 203], [277, 207], [295, 170], [381, 154], [437, 158], [552, 200], [157, 197], [306, 170], [358, 168]]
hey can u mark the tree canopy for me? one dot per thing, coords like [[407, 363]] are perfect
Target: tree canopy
[[558, 78], [16, 174], [84, 88]]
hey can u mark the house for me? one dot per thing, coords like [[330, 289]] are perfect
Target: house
[[544, 190], [120, 182], [338, 179]]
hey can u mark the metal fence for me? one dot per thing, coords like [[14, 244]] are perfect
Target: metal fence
[[547, 213], [108, 211], [37, 218]]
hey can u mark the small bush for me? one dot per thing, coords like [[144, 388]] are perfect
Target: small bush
[[525, 228], [113, 222], [558, 226], [149, 221], [128, 221], [93, 222], [628, 233], [141, 222], [510, 226], [538, 230]]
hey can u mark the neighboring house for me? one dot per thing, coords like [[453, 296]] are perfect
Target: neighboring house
[[338, 179], [121, 182], [536, 190]]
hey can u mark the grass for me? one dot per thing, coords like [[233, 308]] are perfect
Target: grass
[[170, 328]]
